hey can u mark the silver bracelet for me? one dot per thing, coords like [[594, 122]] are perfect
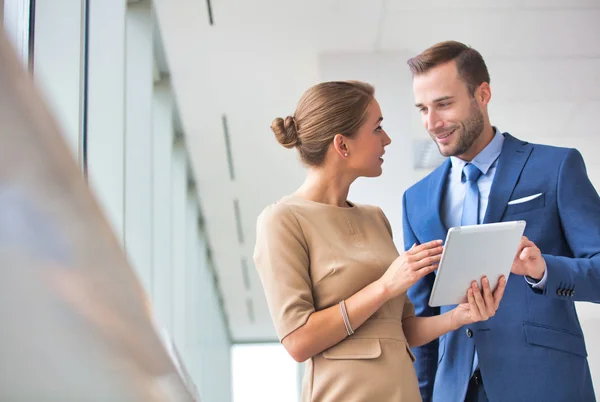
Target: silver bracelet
[[345, 317]]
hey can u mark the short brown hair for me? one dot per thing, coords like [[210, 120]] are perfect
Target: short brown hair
[[324, 110], [469, 62]]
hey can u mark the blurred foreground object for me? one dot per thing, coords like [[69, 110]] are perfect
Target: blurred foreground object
[[75, 324]]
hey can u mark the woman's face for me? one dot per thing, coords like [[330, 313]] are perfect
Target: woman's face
[[366, 148]]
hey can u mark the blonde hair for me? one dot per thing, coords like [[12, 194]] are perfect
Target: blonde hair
[[324, 110]]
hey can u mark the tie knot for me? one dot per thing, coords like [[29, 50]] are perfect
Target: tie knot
[[471, 172]]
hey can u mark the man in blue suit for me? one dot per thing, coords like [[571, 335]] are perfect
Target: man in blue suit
[[533, 349]]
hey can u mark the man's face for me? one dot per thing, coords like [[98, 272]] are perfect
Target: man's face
[[449, 113]]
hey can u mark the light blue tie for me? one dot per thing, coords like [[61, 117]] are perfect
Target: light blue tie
[[470, 215]]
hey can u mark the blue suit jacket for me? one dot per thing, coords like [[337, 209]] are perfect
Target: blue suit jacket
[[533, 348]]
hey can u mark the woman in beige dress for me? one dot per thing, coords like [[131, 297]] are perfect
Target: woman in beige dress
[[334, 282]]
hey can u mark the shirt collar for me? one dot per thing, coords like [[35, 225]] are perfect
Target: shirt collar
[[484, 160]]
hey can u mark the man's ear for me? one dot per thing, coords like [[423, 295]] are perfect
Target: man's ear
[[340, 145], [483, 94]]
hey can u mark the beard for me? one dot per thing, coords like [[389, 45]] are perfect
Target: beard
[[468, 131]]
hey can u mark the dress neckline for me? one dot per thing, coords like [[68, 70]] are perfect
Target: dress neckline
[[351, 206]]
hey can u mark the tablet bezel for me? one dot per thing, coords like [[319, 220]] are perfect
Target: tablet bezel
[[498, 238]]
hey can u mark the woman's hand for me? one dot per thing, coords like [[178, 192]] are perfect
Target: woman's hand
[[480, 307], [411, 266]]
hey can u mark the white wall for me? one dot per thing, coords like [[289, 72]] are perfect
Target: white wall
[[106, 108], [137, 170], [388, 74], [139, 84], [58, 67], [178, 240], [193, 266], [213, 340], [207, 344], [16, 24], [591, 331], [185, 300], [162, 153]]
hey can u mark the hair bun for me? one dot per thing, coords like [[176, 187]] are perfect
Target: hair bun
[[285, 132]]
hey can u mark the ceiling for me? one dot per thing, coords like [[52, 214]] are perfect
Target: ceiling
[[252, 64]]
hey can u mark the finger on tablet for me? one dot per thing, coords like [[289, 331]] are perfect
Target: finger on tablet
[[490, 303], [479, 300], [499, 292], [425, 246], [428, 253], [473, 305]]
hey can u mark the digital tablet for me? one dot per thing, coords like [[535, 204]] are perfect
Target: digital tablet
[[471, 252]]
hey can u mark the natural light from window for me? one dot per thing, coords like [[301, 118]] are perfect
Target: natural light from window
[[263, 373]]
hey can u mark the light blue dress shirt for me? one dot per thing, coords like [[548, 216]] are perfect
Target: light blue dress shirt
[[452, 202], [456, 185]]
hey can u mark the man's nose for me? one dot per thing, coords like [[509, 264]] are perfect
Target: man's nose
[[433, 121]]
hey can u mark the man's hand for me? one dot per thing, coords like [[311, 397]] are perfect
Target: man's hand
[[528, 260]]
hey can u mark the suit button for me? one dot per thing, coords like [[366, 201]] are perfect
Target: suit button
[[469, 332], [571, 293], [559, 292]]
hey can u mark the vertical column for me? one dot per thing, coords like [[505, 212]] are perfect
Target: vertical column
[[106, 108], [16, 16], [139, 82], [300, 367], [215, 382], [179, 213], [162, 139], [203, 300], [193, 314], [59, 63]]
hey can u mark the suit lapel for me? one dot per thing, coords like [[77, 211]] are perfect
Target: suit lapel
[[437, 186], [511, 161]]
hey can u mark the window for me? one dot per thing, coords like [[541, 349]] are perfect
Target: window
[[264, 372]]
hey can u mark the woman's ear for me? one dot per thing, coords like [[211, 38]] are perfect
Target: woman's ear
[[340, 145]]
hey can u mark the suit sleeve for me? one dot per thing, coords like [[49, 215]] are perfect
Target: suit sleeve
[[576, 278], [427, 355]]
